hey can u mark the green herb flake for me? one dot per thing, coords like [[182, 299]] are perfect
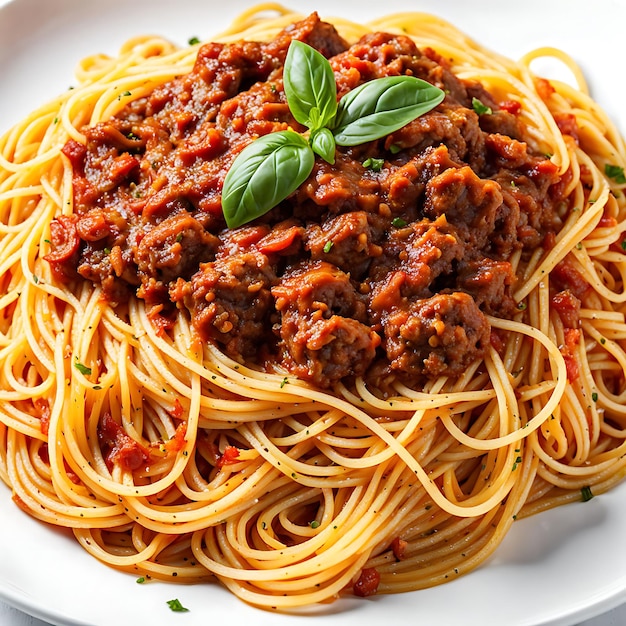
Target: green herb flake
[[480, 108], [328, 246], [398, 222], [594, 396], [314, 524], [283, 382], [192, 41], [374, 164], [586, 494], [615, 172], [176, 606], [141, 580], [83, 369]]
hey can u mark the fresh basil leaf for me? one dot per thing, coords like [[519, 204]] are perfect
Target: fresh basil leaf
[[264, 173], [323, 143], [382, 106], [309, 86]]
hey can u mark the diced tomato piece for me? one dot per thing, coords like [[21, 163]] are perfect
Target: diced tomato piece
[[367, 584], [177, 442], [43, 408], [510, 106], [398, 547], [65, 239], [567, 306], [118, 447], [230, 456]]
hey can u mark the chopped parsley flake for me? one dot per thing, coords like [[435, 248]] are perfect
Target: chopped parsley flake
[[141, 580], [480, 108], [83, 369], [586, 493], [193, 41], [328, 246], [398, 222], [374, 164], [176, 606], [615, 172], [314, 524]]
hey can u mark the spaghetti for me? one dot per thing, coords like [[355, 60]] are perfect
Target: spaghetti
[[290, 494]]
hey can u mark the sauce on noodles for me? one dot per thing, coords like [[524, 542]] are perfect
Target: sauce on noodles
[[382, 264]]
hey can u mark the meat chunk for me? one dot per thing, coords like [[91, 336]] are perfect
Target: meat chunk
[[449, 124], [467, 201], [437, 336], [489, 283], [322, 337], [172, 249], [414, 260], [230, 299], [350, 241]]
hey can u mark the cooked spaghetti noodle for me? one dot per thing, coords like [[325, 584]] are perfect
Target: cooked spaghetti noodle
[[286, 492]]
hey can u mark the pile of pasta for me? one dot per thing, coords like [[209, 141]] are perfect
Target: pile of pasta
[[420, 486]]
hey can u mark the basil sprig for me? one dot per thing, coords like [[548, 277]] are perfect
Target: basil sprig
[[273, 166]]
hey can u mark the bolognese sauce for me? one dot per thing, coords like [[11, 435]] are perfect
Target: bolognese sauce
[[387, 261]]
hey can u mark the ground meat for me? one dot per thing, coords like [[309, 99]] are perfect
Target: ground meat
[[350, 241], [467, 201], [173, 248], [451, 125], [229, 299], [386, 261], [322, 336], [489, 282], [441, 335], [415, 258]]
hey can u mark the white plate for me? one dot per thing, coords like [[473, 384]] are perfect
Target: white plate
[[560, 567]]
